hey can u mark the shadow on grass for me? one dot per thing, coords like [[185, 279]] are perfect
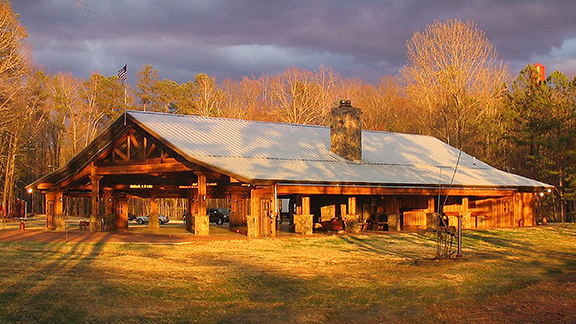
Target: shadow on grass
[[380, 247], [35, 295]]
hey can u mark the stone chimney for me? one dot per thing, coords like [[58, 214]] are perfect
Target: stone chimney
[[346, 131]]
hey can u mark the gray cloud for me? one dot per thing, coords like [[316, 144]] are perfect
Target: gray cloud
[[230, 39]]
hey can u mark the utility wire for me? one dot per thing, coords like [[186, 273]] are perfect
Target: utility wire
[[453, 175]]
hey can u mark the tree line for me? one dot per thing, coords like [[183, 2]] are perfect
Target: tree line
[[453, 87]]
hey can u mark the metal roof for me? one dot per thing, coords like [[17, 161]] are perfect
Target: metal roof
[[301, 153]]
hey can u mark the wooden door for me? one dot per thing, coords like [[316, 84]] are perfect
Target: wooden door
[[266, 222], [122, 214]]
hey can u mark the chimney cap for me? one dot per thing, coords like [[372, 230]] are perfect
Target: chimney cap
[[345, 103]]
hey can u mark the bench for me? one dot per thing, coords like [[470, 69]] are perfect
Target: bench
[[84, 225]]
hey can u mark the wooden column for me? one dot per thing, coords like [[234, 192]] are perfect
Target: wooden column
[[153, 221], [253, 220], [431, 204], [201, 220], [466, 215], [303, 220], [59, 203], [306, 205], [110, 218], [109, 209], [518, 208], [192, 209], [352, 219], [95, 179], [59, 217], [236, 218], [352, 206], [298, 202], [201, 195]]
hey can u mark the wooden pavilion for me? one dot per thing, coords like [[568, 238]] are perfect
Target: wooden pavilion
[[326, 172]]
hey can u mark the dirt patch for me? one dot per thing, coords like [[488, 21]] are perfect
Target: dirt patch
[[543, 302]]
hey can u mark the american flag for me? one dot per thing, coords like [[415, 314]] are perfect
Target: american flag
[[122, 74]]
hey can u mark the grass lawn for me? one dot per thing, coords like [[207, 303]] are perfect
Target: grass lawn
[[507, 276]]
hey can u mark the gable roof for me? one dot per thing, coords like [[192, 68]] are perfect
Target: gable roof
[[277, 152]]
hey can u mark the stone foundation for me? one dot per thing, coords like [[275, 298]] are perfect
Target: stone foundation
[[109, 222], [394, 223], [189, 222], [60, 222], [95, 223], [303, 224], [352, 223], [153, 221], [201, 225], [253, 223]]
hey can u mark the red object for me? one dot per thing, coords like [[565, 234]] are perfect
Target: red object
[[22, 226], [542, 70]]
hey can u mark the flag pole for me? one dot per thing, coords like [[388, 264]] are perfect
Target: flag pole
[[123, 76], [125, 101]]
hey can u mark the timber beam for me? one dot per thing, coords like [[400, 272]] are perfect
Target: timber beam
[[169, 165], [367, 191]]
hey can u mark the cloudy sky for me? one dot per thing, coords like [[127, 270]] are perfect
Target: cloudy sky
[[231, 39]]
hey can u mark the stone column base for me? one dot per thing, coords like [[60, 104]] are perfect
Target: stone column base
[[153, 221], [253, 223], [394, 223], [95, 223], [189, 222], [60, 222], [467, 220], [202, 225], [109, 222], [352, 223], [303, 224]]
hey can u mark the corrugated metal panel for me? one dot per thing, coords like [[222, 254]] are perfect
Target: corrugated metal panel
[[287, 152]]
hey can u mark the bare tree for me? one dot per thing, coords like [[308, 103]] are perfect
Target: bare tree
[[13, 69], [243, 99], [453, 78], [297, 97]]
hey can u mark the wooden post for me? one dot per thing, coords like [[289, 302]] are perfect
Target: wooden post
[[235, 219], [95, 179], [305, 205], [59, 206], [59, 217], [465, 218], [303, 220], [201, 220], [108, 200], [192, 210], [431, 204], [352, 219], [201, 195], [253, 220], [352, 206]]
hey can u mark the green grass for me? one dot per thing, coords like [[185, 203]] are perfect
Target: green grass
[[506, 276]]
